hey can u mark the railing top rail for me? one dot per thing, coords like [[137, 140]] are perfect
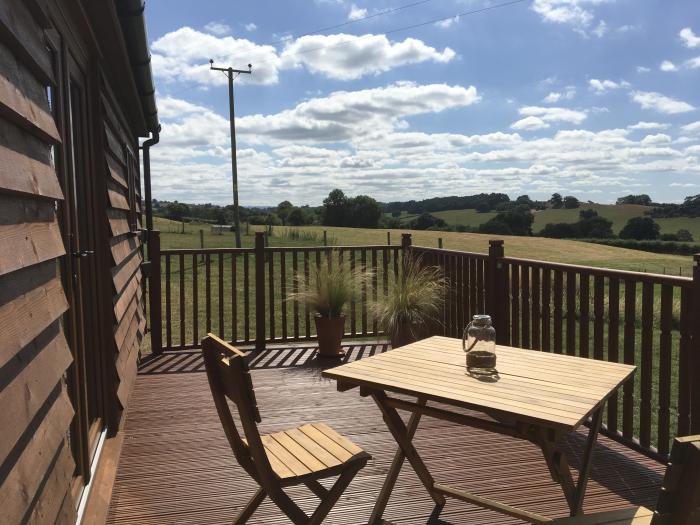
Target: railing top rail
[[332, 248], [655, 278], [474, 255], [204, 251]]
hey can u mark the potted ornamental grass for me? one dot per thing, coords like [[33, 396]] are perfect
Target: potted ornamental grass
[[327, 293], [413, 304]]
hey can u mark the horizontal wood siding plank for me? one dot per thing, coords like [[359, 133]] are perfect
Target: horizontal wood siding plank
[[122, 302], [114, 149], [34, 294], [128, 376], [123, 324], [116, 198], [20, 31], [34, 464], [116, 171], [49, 504], [33, 373], [25, 164], [122, 274], [23, 98], [29, 233], [118, 222], [122, 247], [133, 334]]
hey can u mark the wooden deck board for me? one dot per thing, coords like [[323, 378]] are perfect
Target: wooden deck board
[[176, 466]]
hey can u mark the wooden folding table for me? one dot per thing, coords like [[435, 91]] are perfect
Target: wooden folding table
[[536, 396]]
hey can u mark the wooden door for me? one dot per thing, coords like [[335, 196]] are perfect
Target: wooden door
[[79, 269]]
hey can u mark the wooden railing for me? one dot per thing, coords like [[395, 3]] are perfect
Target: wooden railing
[[652, 321]]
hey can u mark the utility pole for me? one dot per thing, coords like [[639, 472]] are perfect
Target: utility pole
[[234, 165]]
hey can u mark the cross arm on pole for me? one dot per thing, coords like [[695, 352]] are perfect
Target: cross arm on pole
[[230, 69]]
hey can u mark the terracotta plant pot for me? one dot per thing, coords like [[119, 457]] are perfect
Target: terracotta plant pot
[[330, 334]]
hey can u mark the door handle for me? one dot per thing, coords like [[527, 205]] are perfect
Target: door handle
[[83, 253]]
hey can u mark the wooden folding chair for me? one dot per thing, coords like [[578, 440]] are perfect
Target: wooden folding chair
[[300, 455], [679, 499]]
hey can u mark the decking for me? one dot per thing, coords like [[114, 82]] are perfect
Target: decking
[[176, 466]]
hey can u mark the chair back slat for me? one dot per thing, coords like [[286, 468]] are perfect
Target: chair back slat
[[679, 499], [229, 378]]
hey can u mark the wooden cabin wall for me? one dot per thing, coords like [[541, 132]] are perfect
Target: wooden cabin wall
[[36, 464], [121, 171]]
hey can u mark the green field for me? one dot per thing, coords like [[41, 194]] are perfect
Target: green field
[[618, 214]]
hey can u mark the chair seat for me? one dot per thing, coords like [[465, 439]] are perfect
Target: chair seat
[[314, 450], [633, 516]]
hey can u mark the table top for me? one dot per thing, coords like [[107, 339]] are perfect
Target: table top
[[553, 390]]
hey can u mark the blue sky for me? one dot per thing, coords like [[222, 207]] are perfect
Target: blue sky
[[596, 98]]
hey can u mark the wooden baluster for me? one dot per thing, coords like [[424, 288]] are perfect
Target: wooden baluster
[[207, 290], [646, 368], [295, 289], [665, 343], [363, 300], [526, 306], [473, 289], [571, 296], [168, 312], [307, 312], [613, 343], [515, 304], [283, 292], [271, 291], [546, 309], [234, 297], [246, 298], [459, 297], [222, 327], [598, 317], [181, 269], [584, 318], [558, 312], [375, 288], [259, 290], [480, 285], [195, 300], [536, 309], [628, 356], [684, 363], [353, 299]]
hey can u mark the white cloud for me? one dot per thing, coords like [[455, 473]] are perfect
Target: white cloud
[[601, 29], [552, 98], [643, 69], [448, 22], [648, 125], [529, 123], [693, 63], [183, 55], [601, 86], [356, 12], [555, 96], [667, 65], [659, 138], [348, 57], [693, 127], [661, 103], [553, 114], [690, 39], [577, 13], [217, 28], [250, 26]]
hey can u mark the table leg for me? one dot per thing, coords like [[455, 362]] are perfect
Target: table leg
[[400, 432], [582, 481], [393, 473]]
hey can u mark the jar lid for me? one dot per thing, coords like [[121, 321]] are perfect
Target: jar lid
[[482, 318]]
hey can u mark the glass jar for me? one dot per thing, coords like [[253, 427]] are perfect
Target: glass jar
[[479, 344]]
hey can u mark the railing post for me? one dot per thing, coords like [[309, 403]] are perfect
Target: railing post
[[495, 296], [695, 349], [405, 247], [154, 291], [260, 291]]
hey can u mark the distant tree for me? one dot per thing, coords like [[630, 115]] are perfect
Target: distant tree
[[483, 207], [425, 221], [571, 202], [556, 201], [640, 228], [396, 214], [219, 216], [595, 227], [363, 212], [515, 222], [299, 217], [587, 214], [283, 210], [526, 200], [684, 236], [642, 199], [335, 209], [177, 211], [559, 230]]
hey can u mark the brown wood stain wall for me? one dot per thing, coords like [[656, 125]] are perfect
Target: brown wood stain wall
[[41, 474]]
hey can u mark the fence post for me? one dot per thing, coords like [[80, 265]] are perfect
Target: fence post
[[388, 238], [495, 296], [260, 291], [154, 292], [405, 246], [695, 349], [440, 242], [325, 238]]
